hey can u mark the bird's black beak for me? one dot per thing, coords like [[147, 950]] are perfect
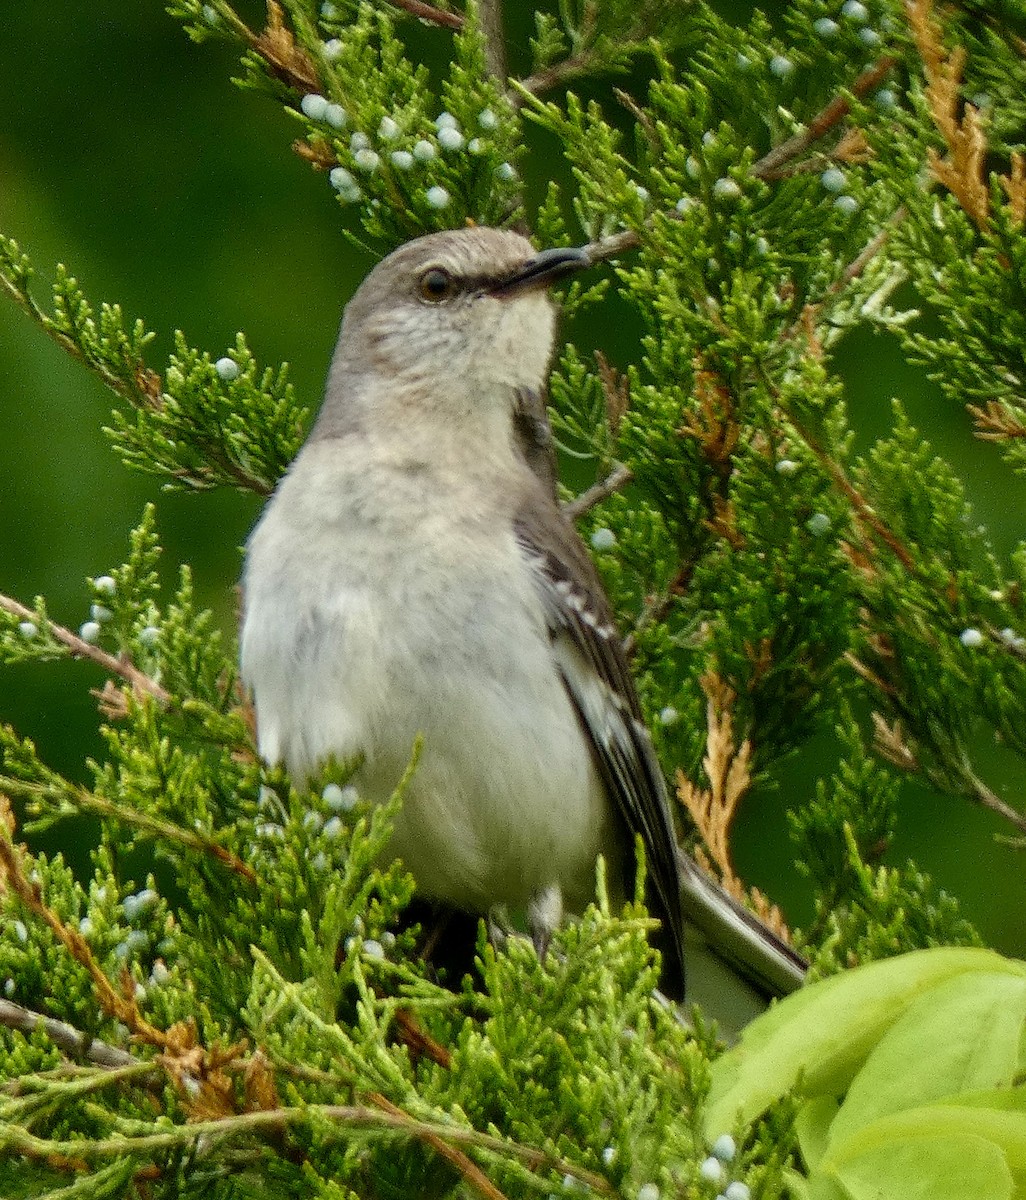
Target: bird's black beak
[[543, 270]]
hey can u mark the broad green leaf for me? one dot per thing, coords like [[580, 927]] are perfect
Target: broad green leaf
[[813, 1128], [962, 1035], [940, 1152], [824, 1033]]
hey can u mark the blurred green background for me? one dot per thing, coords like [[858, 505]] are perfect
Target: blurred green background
[[127, 154]]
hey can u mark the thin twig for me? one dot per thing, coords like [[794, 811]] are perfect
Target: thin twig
[[471, 1172], [1014, 646], [656, 607], [141, 683], [434, 16], [489, 13], [236, 23], [419, 1040], [114, 1005], [67, 1038], [629, 239], [617, 478], [143, 390], [872, 248], [864, 510], [825, 120], [20, 1141], [951, 772], [855, 268], [983, 796], [612, 246], [558, 73], [578, 63], [83, 800]]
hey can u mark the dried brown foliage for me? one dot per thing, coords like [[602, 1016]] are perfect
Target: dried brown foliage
[[728, 769], [963, 170], [889, 741], [996, 422], [288, 61]]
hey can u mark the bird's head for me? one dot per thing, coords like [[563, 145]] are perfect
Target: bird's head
[[465, 310]]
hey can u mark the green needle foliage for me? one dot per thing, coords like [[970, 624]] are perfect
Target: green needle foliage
[[250, 1018]]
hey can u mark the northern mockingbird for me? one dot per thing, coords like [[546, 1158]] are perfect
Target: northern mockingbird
[[413, 574]]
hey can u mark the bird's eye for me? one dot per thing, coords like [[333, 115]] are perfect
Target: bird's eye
[[436, 285]]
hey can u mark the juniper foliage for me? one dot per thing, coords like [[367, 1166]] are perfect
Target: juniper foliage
[[265, 1028]]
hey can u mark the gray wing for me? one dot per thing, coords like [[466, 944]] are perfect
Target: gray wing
[[594, 670], [596, 674]]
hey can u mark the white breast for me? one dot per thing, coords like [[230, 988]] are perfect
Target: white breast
[[362, 630]]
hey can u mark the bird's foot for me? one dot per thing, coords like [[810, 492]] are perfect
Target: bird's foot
[[544, 915]]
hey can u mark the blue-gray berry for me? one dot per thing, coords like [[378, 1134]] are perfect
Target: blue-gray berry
[[781, 66], [313, 105], [450, 138], [335, 116]]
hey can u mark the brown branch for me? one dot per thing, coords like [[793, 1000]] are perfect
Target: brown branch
[[983, 796], [141, 683], [181, 1055], [558, 73], [869, 675], [612, 246], [21, 1141], [577, 64], [489, 13], [863, 509], [630, 239], [471, 1172], [86, 801], [950, 774], [618, 478], [889, 740], [825, 120], [67, 1038], [861, 505], [616, 390], [121, 1008], [418, 1040], [145, 389], [656, 607], [872, 248], [217, 457], [432, 15], [1015, 646]]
